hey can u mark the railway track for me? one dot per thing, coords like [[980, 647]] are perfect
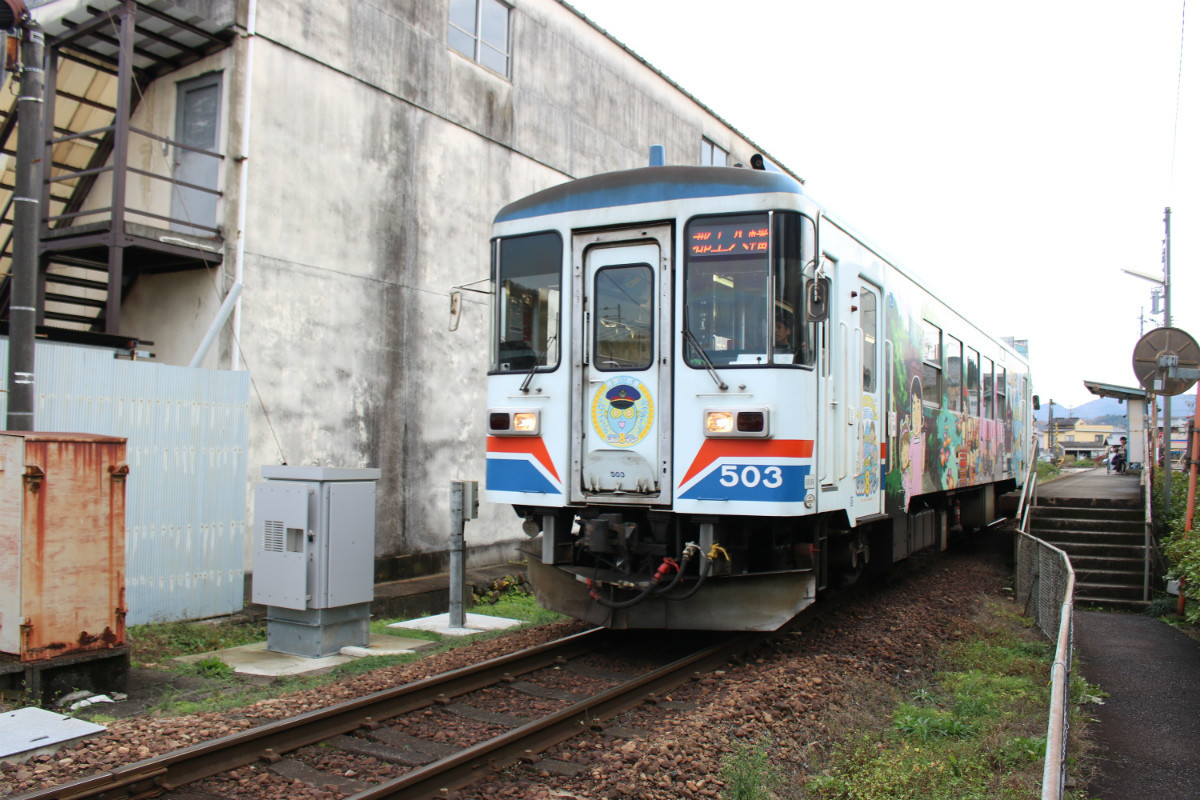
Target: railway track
[[367, 726]]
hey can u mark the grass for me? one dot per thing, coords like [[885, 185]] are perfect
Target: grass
[[157, 645], [977, 732], [749, 773]]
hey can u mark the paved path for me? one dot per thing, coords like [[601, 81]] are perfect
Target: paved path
[[1149, 725]]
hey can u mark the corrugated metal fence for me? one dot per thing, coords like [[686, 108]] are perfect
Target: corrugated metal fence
[[185, 504]]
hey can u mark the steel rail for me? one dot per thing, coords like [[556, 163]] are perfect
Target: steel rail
[[180, 767], [469, 765]]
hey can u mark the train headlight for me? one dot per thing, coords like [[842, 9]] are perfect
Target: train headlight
[[514, 422], [738, 423], [525, 422], [718, 423]]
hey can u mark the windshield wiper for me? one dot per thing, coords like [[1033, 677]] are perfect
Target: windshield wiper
[[690, 338], [537, 363]]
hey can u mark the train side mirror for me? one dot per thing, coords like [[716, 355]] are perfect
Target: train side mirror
[[817, 307], [1037, 403]]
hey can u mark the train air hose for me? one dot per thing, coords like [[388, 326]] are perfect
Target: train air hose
[[668, 565], [705, 566]]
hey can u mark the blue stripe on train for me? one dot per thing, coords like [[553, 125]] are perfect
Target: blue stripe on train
[[514, 475], [752, 482]]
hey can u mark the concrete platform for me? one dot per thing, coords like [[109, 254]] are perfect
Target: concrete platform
[[440, 623], [256, 659], [1094, 483]]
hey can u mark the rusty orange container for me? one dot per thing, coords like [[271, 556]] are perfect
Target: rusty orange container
[[62, 544]]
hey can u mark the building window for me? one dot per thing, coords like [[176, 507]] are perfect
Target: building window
[[479, 30], [712, 155]]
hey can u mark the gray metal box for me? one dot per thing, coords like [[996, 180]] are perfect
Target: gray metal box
[[314, 537]]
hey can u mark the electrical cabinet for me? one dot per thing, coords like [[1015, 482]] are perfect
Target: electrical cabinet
[[314, 558]]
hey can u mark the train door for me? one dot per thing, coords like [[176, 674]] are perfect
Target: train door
[[834, 393], [867, 409], [622, 421]]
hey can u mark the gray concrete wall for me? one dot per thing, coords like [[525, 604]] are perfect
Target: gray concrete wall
[[378, 158]]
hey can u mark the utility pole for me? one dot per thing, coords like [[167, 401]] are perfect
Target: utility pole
[[1167, 397], [22, 313]]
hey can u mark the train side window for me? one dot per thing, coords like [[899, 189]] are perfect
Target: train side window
[[624, 317], [988, 389], [973, 382], [867, 319], [931, 365], [527, 281], [954, 370], [1002, 394]]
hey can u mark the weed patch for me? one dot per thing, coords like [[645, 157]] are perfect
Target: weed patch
[[976, 732]]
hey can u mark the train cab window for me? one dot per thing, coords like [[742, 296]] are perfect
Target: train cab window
[[973, 382], [954, 371], [744, 291], [623, 327], [931, 365], [988, 389], [527, 284], [727, 289], [793, 337]]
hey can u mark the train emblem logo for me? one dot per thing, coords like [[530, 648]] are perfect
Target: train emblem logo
[[622, 411]]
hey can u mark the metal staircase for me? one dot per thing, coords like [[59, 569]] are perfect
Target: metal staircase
[[1105, 540]]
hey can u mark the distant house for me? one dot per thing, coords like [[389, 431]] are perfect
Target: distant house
[[1078, 438]]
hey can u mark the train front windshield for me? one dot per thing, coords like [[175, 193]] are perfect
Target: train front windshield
[[745, 290]]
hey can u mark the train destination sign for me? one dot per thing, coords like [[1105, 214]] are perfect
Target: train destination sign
[[715, 239]]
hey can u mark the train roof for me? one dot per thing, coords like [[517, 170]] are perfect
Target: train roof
[[648, 185]]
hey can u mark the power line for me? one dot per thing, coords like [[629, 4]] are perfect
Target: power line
[[1178, 85]]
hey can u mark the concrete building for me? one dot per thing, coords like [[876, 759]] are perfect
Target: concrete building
[[339, 164]]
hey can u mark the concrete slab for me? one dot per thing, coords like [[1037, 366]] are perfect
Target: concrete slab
[[256, 659], [29, 732], [474, 623]]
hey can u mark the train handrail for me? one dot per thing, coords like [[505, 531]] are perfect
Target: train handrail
[[1028, 487]]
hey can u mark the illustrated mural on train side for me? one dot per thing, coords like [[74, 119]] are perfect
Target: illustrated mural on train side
[[953, 440]]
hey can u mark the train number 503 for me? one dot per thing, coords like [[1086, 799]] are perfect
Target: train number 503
[[751, 476]]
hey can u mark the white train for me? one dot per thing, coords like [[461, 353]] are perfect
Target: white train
[[709, 400]]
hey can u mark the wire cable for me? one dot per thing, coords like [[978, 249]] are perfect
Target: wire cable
[[1178, 91]]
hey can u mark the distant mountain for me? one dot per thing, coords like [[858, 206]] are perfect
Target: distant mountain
[[1093, 411]]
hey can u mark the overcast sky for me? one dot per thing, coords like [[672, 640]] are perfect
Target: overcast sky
[[1016, 156]]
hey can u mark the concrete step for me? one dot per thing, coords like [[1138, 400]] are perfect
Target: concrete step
[[1089, 502], [1092, 563], [1113, 591], [1099, 550], [1136, 525], [1116, 604], [1087, 512], [1072, 536]]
